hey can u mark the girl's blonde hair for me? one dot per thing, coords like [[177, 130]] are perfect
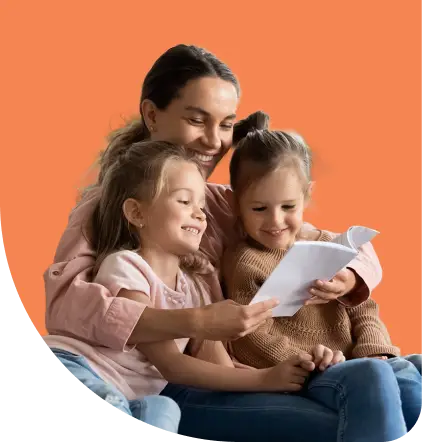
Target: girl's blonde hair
[[138, 171]]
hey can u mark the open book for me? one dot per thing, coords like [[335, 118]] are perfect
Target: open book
[[307, 261]]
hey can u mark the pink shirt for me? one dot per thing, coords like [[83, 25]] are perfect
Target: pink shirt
[[129, 370], [80, 308]]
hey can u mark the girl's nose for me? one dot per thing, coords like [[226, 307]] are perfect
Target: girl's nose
[[200, 214]]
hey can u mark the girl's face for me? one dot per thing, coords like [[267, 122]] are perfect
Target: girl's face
[[201, 118], [271, 210], [175, 221]]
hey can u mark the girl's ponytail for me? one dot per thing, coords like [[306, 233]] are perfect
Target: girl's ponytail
[[257, 121]]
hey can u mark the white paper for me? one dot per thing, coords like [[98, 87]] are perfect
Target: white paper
[[306, 262], [355, 237]]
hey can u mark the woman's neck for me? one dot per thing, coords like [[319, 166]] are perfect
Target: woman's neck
[[164, 264]]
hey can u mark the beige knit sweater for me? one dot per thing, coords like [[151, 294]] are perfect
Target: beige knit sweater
[[357, 331]]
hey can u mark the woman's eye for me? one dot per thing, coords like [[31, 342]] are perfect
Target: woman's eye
[[288, 207], [227, 126], [259, 209], [195, 121]]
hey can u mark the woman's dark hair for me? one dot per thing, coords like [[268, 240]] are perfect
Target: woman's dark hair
[[168, 75], [259, 151]]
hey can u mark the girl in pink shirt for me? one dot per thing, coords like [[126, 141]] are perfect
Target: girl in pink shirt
[[189, 97]]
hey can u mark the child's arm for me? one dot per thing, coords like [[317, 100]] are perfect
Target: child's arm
[[370, 333], [210, 351], [179, 368]]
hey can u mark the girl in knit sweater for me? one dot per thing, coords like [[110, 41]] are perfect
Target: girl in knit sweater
[[270, 174]]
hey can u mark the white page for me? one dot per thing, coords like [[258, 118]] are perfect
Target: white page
[[359, 235], [355, 237], [305, 262], [342, 239]]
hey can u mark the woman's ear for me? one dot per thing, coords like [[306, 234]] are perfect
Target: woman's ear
[[149, 113], [133, 212]]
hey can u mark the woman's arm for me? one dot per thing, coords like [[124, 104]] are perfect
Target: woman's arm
[[78, 307]]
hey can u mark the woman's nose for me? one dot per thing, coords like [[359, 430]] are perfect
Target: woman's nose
[[211, 139]]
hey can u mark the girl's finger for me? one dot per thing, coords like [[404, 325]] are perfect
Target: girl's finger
[[308, 366], [332, 287], [323, 295], [318, 353], [326, 359], [315, 301], [298, 379], [338, 357], [299, 371]]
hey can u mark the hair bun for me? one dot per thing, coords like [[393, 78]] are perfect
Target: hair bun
[[257, 121]]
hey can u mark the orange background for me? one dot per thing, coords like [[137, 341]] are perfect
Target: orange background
[[344, 74]]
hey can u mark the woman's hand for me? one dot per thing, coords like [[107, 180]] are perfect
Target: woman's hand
[[289, 375], [227, 320], [324, 357], [325, 291]]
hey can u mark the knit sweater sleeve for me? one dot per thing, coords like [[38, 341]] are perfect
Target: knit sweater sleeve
[[369, 331], [266, 346]]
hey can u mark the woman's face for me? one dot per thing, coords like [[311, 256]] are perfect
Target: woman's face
[[201, 118]]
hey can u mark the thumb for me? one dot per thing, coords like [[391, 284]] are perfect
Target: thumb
[[301, 358], [308, 365]]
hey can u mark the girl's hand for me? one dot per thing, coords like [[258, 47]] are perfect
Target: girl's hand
[[383, 357], [324, 357], [326, 291], [289, 375]]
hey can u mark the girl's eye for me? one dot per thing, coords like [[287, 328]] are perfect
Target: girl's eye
[[186, 202], [259, 209], [288, 207]]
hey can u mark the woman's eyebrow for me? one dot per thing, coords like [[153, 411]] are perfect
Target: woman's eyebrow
[[203, 112]]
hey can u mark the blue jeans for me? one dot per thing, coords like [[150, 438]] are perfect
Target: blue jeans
[[407, 370], [155, 410], [356, 401]]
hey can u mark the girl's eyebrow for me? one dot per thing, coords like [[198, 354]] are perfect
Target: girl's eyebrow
[[203, 112], [182, 188], [282, 202]]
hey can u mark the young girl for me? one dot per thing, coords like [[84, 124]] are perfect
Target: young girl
[[146, 230], [270, 175]]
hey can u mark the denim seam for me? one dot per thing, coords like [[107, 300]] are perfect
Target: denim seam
[[343, 402]]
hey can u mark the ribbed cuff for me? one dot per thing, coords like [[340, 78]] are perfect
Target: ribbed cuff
[[364, 350]]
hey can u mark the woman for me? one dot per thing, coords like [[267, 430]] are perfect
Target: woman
[[189, 97]]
